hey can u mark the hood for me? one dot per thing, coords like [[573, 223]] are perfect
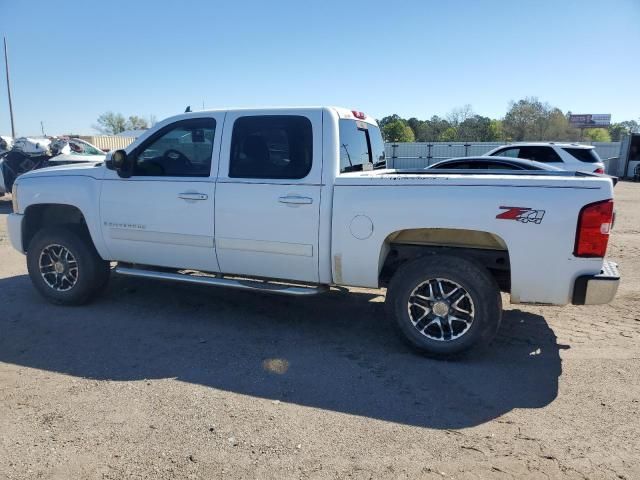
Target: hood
[[94, 170], [74, 157]]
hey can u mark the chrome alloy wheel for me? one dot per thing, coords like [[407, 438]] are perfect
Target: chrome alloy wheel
[[441, 309], [58, 267]]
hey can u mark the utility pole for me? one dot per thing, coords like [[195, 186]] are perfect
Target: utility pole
[[6, 64]]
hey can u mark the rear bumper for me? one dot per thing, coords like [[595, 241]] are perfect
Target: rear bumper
[[14, 226], [597, 289]]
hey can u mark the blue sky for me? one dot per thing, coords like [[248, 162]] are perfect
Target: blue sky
[[72, 60]]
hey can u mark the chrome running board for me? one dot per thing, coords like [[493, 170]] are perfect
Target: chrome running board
[[242, 284]]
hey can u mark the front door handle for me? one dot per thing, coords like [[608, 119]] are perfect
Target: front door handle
[[296, 200], [193, 196]]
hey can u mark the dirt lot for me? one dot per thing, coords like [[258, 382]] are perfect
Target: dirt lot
[[165, 381]]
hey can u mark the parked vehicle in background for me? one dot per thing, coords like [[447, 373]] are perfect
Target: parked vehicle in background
[[573, 157], [32, 154], [484, 163], [32, 146], [71, 150], [6, 143], [628, 163], [289, 201]]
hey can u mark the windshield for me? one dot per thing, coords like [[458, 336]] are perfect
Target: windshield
[[361, 146]]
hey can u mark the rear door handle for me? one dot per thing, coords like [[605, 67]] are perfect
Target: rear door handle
[[193, 196], [296, 200]]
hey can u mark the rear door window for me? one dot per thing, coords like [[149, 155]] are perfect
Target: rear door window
[[271, 146], [539, 154], [588, 155], [361, 146]]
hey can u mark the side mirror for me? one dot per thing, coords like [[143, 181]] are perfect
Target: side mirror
[[121, 163]]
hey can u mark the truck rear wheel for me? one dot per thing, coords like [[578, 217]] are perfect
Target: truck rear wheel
[[65, 267], [444, 305]]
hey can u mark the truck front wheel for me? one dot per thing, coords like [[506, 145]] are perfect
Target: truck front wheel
[[444, 305], [65, 267]]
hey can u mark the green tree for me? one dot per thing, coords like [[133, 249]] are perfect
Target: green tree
[[559, 128], [527, 119], [476, 129], [110, 123], [450, 134], [632, 126], [397, 131], [597, 135], [432, 129], [619, 130], [388, 119], [496, 129], [415, 125]]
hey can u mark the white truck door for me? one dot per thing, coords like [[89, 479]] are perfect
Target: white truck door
[[268, 194], [163, 214]]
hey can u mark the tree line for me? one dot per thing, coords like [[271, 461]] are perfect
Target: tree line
[[526, 119], [110, 123]]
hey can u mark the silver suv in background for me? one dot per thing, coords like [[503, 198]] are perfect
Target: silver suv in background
[[573, 157]]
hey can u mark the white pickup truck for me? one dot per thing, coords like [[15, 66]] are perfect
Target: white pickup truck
[[294, 200]]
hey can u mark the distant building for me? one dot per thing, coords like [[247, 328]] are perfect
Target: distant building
[[109, 142], [131, 133]]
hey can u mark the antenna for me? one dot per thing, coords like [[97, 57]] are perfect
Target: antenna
[[6, 64]]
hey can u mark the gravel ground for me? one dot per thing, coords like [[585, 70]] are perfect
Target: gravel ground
[[165, 381]]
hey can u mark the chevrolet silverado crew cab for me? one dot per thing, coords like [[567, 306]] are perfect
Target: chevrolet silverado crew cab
[[295, 200]]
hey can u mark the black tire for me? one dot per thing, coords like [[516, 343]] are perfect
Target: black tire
[[471, 279], [91, 275]]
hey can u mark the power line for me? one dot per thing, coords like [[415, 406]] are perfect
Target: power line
[[6, 63]]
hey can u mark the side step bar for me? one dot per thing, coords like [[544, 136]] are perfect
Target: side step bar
[[242, 284]]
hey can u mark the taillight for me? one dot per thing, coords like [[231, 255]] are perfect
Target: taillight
[[359, 115], [599, 170], [594, 225]]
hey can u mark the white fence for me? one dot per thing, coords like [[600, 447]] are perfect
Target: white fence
[[420, 155]]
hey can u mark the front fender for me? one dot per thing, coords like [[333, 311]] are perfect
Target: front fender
[[81, 192]]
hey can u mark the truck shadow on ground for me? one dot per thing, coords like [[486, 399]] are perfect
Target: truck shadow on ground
[[336, 351]]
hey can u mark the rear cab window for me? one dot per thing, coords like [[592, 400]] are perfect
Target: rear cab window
[[271, 147], [587, 155], [361, 146]]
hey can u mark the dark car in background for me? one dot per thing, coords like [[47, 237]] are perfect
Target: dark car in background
[[490, 163]]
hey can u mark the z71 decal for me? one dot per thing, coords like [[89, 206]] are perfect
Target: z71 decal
[[521, 214]]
